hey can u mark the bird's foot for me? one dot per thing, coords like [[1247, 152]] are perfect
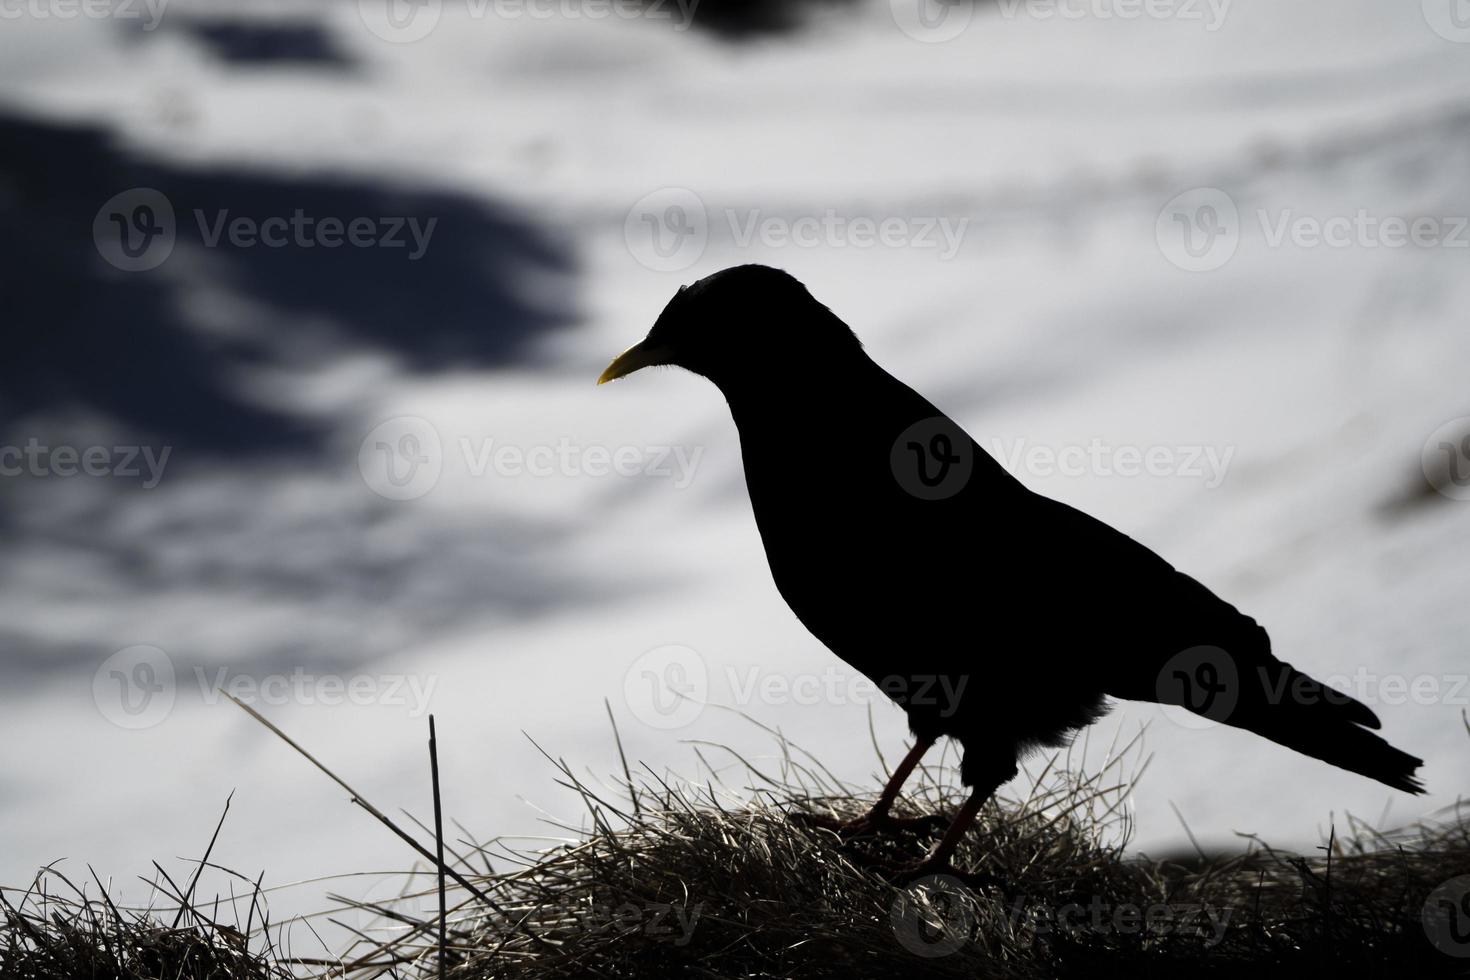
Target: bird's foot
[[871, 823]]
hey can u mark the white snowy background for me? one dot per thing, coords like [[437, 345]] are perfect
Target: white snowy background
[[523, 601]]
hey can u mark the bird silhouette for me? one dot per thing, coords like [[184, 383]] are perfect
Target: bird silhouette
[[989, 613]]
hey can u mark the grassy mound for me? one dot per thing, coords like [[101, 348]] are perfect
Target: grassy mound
[[709, 880]]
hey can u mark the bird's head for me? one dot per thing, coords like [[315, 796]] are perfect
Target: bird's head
[[747, 323]]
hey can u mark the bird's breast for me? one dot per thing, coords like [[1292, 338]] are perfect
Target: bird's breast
[[836, 530]]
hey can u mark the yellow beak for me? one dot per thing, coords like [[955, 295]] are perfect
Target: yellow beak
[[640, 355]]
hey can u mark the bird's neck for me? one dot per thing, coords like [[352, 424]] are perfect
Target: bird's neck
[[789, 392]]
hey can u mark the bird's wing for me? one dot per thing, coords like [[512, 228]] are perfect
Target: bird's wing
[[1126, 607], [1163, 637]]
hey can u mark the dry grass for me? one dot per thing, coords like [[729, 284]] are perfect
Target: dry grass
[[717, 879]]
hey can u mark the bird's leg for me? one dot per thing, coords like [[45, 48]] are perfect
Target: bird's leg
[[937, 861], [879, 817]]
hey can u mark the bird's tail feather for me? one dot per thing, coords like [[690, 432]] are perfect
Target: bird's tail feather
[[1298, 711], [1329, 736]]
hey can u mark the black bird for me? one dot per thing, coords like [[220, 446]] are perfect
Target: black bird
[[990, 613]]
